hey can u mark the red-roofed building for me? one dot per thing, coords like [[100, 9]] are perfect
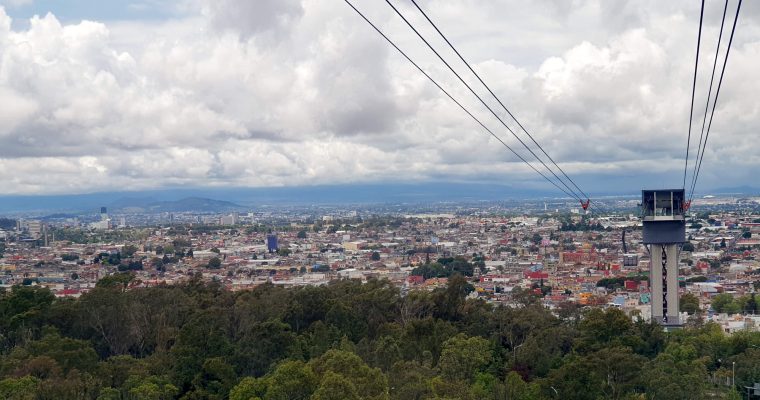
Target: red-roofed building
[[536, 275]]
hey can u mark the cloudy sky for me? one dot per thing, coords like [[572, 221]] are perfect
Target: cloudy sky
[[128, 95]]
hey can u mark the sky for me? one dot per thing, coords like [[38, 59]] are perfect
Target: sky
[[136, 95]]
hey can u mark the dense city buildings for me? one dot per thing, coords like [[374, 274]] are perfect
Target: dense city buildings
[[585, 259]]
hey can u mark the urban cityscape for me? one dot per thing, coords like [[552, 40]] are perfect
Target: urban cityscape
[[565, 260], [570, 257], [394, 200]]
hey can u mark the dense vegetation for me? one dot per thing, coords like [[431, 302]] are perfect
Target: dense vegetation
[[445, 267], [347, 341]]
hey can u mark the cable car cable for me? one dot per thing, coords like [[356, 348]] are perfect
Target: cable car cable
[[694, 87], [709, 91], [715, 101], [481, 99], [453, 99], [499, 100]]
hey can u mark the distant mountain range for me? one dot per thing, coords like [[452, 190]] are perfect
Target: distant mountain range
[[188, 204], [238, 199]]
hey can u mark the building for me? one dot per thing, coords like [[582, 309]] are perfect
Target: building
[[35, 228], [664, 231], [272, 246], [232, 219]]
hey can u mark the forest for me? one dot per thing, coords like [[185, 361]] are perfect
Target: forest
[[350, 340]]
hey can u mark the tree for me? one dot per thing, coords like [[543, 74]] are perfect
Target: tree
[[249, 389], [517, 389], [747, 234], [618, 368], [344, 374], [215, 379], [214, 263], [118, 281], [463, 357], [151, 388], [747, 367], [109, 393], [688, 247], [158, 264], [68, 353], [409, 380], [336, 387], [601, 327], [375, 256], [291, 380], [689, 303], [671, 377], [23, 311], [348, 339], [19, 388], [301, 234], [128, 251], [69, 257], [725, 303], [262, 344]]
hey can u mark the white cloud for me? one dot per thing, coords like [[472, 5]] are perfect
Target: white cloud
[[303, 92], [16, 3]]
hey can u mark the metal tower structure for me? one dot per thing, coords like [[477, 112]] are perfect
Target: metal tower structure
[[664, 224]]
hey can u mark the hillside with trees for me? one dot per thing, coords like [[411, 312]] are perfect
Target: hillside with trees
[[348, 340]]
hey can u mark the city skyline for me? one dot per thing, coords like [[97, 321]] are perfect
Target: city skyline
[[140, 96]]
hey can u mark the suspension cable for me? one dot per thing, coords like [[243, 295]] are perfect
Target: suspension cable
[[497, 98], [715, 101], [694, 86], [455, 100], [481, 100]]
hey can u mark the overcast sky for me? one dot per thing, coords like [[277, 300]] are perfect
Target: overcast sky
[[121, 95]]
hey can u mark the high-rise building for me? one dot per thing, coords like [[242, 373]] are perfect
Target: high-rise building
[[663, 213], [105, 221], [231, 219], [272, 243], [35, 228]]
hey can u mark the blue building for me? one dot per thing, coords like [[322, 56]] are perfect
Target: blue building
[[272, 243]]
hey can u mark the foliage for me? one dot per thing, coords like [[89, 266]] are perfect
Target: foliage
[[445, 267], [346, 340], [614, 283], [69, 257], [214, 263], [689, 303], [725, 303], [583, 225]]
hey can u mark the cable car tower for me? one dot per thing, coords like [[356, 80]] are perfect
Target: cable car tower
[[664, 230]]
